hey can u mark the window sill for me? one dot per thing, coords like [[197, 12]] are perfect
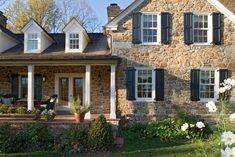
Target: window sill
[[151, 44], [145, 100], [207, 100], [202, 44]]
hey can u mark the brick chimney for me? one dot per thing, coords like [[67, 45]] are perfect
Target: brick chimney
[[3, 19], [113, 10]]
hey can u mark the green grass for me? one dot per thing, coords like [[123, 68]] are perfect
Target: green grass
[[146, 148], [155, 148]]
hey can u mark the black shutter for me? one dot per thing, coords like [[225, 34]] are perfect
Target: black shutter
[[159, 83], [195, 78], [188, 28], [136, 31], [15, 85], [217, 28], [165, 27], [38, 87], [223, 74], [130, 83]]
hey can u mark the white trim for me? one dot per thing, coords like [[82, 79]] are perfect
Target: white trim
[[158, 28], [209, 30], [113, 25], [219, 6], [113, 92], [67, 43], [88, 89], [216, 87], [70, 76], [30, 105], [153, 85]]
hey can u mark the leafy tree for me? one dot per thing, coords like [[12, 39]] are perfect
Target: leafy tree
[[45, 12]]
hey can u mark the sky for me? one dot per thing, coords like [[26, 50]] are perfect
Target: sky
[[99, 7]]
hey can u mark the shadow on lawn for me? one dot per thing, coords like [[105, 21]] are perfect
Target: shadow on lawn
[[152, 148]]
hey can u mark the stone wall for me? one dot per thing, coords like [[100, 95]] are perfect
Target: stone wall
[[100, 82], [176, 58]]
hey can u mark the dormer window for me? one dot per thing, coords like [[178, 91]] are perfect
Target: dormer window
[[74, 41], [32, 41]]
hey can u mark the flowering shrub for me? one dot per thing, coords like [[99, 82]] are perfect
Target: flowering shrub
[[165, 130], [49, 115], [227, 137]]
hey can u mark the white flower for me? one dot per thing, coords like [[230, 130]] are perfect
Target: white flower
[[230, 82], [200, 125], [184, 127], [228, 87], [232, 117], [228, 138], [222, 89], [211, 106], [228, 152], [192, 125]]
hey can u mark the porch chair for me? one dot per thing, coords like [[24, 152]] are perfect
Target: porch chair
[[49, 104]]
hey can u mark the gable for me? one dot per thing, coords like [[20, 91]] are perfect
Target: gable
[[113, 24]]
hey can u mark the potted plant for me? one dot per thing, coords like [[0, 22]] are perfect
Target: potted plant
[[49, 115], [79, 110]]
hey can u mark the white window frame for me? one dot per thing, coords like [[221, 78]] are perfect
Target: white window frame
[[27, 43], [74, 39], [67, 49], [209, 32], [216, 87], [158, 28], [136, 85]]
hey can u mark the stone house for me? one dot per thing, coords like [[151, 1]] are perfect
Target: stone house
[[174, 54], [154, 57]]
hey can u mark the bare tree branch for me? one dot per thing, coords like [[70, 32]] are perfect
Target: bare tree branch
[[84, 13]]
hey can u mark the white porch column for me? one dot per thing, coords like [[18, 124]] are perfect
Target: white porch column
[[88, 89], [30, 87], [113, 92]]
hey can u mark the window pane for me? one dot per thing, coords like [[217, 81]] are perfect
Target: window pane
[[149, 28], [207, 84], [144, 83], [74, 41], [200, 28], [24, 86]]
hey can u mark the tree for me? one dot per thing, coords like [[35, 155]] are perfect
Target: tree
[[45, 12], [81, 10]]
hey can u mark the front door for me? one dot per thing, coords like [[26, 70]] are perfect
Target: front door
[[67, 87]]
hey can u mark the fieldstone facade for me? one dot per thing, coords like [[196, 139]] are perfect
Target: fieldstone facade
[[177, 59], [100, 82]]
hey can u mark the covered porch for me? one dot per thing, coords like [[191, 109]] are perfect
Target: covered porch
[[93, 81]]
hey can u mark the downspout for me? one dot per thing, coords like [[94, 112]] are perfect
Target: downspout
[[110, 39]]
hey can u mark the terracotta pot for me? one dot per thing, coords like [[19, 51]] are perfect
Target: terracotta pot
[[79, 117]]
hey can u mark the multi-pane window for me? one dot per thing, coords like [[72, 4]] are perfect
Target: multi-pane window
[[24, 86], [200, 28], [207, 83], [144, 83], [32, 41], [74, 41], [150, 28]]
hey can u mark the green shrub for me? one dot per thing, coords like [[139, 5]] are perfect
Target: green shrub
[[21, 110], [133, 132], [166, 130], [3, 109], [72, 139], [11, 110], [100, 135], [38, 136]]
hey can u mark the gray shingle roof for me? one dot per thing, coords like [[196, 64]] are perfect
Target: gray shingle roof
[[97, 48]]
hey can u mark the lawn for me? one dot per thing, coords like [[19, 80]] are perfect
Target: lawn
[[144, 148]]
